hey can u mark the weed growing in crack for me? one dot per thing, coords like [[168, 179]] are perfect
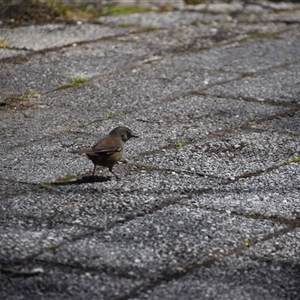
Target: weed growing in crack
[[43, 186], [110, 116], [68, 177], [294, 159], [180, 144], [119, 9], [76, 81], [28, 95], [3, 43], [193, 2]]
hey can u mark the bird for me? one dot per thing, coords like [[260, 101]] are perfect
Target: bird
[[108, 150]]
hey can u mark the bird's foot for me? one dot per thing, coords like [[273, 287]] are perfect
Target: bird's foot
[[118, 177]]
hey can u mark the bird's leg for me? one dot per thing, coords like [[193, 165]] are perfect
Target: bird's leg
[[118, 177], [94, 169]]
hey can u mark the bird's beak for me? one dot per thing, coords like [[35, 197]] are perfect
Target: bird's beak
[[135, 136]]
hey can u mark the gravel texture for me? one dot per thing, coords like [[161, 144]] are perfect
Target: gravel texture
[[208, 204]]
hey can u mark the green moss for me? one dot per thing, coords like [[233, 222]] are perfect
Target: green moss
[[76, 81], [43, 186], [287, 63], [267, 35], [68, 177], [110, 116], [121, 9], [91, 10], [3, 43], [247, 243], [88, 11], [58, 7], [193, 2], [294, 159], [28, 95], [180, 144]]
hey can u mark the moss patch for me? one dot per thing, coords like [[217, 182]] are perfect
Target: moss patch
[[121, 9], [294, 159], [43, 186], [67, 178], [193, 2], [76, 81], [180, 144], [3, 43], [27, 96]]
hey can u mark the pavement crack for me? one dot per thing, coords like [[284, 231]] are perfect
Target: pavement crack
[[166, 277], [149, 168], [22, 58], [217, 133]]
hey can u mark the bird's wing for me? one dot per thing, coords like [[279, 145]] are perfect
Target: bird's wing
[[108, 145]]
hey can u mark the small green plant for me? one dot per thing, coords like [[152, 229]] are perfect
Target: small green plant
[[27, 96], [110, 116], [91, 10], [261, 35], [43, 186], [193, 2], [180, 144], [247, 243], [294, 159], [121, 9], [68, 177], [58, 7], [76, 81], [3, 43]]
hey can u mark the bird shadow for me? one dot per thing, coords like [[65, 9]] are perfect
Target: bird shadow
[[82, 180]]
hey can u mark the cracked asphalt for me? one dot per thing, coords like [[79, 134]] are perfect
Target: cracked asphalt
[[209, 202]]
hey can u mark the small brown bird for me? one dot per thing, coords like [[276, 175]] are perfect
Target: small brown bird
[[108, 151]]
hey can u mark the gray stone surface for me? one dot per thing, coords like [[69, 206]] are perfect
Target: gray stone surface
[[45, 36], [241, 277], [273, 85], [208, 204]]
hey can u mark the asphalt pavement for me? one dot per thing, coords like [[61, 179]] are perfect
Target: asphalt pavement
[[208, 206]]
